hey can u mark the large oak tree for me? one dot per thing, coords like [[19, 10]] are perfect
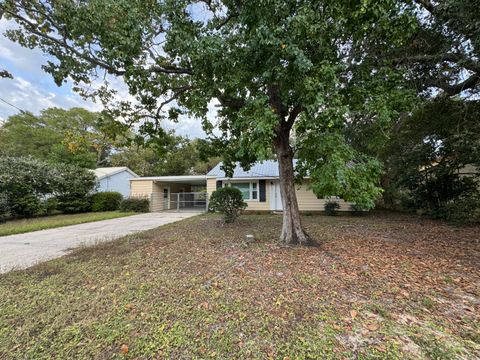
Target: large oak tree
[[288, 75]]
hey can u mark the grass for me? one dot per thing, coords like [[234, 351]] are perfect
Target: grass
[[48, 222], [374, 289]]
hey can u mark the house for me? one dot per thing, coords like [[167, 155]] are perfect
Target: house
[[260, 187], [114, 179]]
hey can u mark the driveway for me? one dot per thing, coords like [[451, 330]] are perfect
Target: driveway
[[24, 250]]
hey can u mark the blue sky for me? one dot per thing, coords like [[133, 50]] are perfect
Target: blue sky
[[32, 89]]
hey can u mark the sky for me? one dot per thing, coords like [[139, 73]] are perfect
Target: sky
[[32, 89]]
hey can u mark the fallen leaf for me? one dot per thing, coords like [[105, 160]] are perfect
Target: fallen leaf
[[124, 348], [353, 314]]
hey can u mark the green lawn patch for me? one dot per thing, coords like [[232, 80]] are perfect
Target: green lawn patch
[[194, 289], [49, 222]]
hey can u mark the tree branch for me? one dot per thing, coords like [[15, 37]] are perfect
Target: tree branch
[[229, 102], [426, 4], [88, 56], [456, 89], [276, 101], [457, 58], [175, 96], [297, 109]]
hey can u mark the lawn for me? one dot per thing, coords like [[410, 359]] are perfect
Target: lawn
[[48, 222], [378, 287]]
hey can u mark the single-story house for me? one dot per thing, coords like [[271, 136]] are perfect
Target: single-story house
[[260, 187], [114, 179]]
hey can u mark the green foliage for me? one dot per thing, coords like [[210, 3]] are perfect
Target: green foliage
[[4, 207], [73, 187], [28, 185], [357, 210], [228, 201], [179, 157], [345, 172], [442, 55], [433, 162], [266, 64], [106, 201], [331, 208], [463, 210], [135, 204], [74, 136]]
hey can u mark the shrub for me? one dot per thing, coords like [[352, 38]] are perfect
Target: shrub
[[73, 187], [135, 204], [462, 211], [357, 210], [28, 206], [27, 183], [106, 201], [51, 206], [228, 201], [4, 208], [331, 208]]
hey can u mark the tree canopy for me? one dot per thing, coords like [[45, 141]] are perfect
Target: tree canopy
[[75, 136], [275, 68]]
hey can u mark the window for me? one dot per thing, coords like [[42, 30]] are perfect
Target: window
[[249, 190], [254, 191]]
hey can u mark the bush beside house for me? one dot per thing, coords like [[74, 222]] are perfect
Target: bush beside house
[[228, 201], [106, 201], [135, 204], [32, 187]]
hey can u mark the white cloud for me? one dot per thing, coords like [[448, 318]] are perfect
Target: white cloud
[[29, 97], [34, 90]]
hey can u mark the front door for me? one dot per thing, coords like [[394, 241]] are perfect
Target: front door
[[166, 193], [275, 196]]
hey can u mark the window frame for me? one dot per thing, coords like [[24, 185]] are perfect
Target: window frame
[[251, 190]]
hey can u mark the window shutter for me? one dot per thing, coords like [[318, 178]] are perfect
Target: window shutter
[[261, 188], [219, 184]]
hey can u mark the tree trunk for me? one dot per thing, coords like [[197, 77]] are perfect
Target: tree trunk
[[292, 230]]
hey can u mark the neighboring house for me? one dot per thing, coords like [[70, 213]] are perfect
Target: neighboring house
[[260, 187], [114, 179]]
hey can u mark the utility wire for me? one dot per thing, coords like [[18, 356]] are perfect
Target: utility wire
[[6, 102]]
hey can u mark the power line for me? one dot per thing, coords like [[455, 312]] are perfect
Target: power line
[[16, 107]]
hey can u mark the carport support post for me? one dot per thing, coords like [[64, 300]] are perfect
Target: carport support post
[[178, 202]]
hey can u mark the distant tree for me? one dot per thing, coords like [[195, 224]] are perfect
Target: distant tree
[[180, 157], [426, 146], [436, 155], [75, 136]]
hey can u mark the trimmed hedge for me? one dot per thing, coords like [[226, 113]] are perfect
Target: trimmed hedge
[[135, 204], [106, 201]]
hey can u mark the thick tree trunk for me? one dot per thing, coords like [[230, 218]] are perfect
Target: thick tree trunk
[[292, 230]]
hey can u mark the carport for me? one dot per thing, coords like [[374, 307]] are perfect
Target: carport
[[178, 193]]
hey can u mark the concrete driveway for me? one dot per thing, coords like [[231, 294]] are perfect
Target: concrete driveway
[[24, 250]]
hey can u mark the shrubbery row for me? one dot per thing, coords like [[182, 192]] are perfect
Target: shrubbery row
[[31, 187]]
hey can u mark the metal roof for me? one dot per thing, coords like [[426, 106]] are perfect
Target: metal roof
[[261, 169]]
